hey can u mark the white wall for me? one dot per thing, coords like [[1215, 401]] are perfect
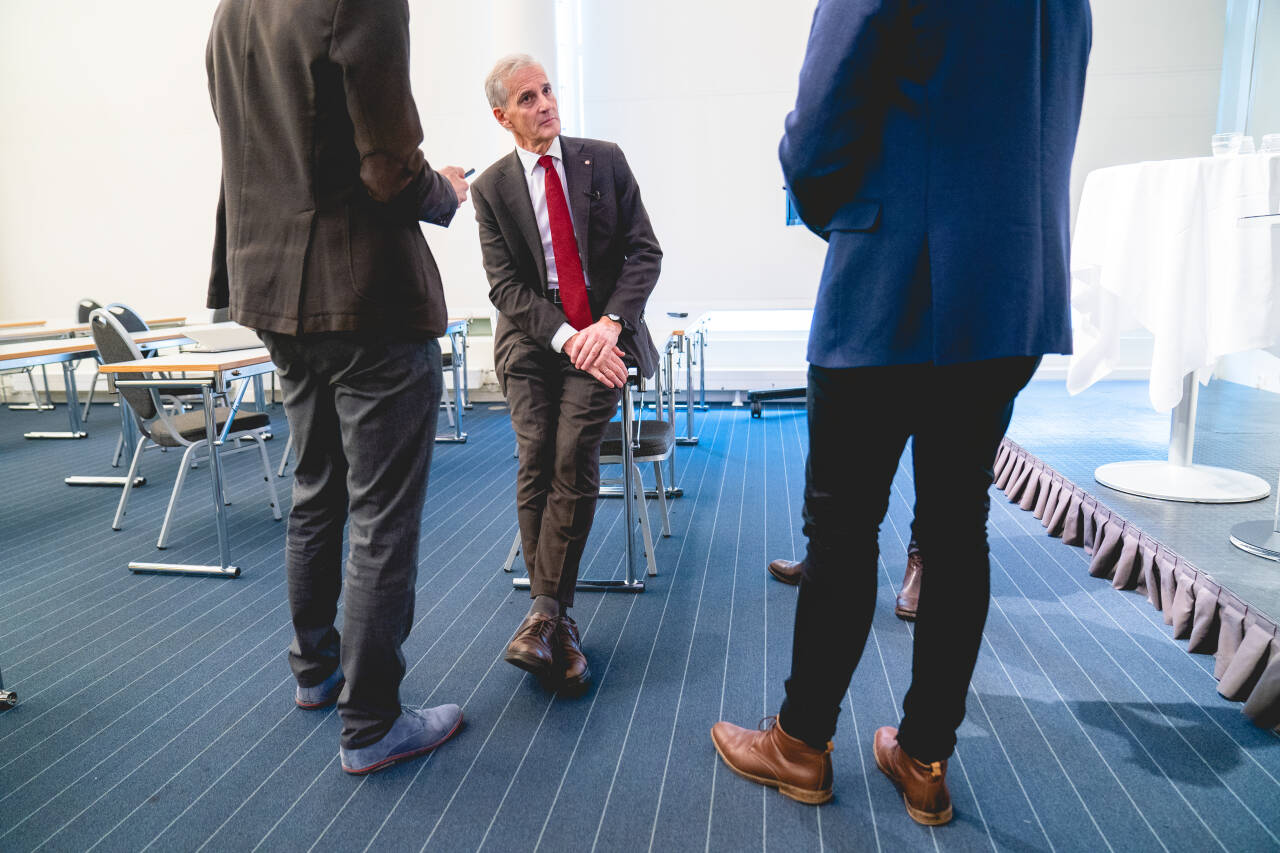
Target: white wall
[[111, 151], [111, 154], [696, 93]]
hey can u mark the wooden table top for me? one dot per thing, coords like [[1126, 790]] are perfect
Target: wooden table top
[[82, 346], [34, 329], [193, 362]]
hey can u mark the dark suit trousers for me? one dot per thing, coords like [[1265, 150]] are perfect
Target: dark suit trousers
[[362, 412], [859, 423], [558, 413]]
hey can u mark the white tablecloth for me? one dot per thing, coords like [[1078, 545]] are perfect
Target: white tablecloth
[[1159, 246]]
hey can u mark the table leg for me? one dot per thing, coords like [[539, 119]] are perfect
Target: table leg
[[73, 408], [1178, 478], [455, 367], [129, 442], [225, 569], [1259, 537]]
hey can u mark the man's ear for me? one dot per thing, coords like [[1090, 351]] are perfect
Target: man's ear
[[501, 115]]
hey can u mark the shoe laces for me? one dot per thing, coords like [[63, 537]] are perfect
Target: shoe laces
[[544, 627]]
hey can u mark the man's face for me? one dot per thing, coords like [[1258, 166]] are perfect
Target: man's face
[[531, 113]]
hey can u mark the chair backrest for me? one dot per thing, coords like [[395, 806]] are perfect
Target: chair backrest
[[114, 344], [85, 308], [128, 318]]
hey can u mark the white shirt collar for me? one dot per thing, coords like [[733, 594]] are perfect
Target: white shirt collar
[[528, 159]]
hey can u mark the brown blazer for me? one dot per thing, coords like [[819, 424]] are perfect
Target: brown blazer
[[323, 183], [619, 251]]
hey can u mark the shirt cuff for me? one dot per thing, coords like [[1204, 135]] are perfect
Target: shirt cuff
[[562, 336]]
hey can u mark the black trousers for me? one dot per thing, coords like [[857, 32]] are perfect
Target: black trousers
[[859, 423], [362, 412], [559, 414]]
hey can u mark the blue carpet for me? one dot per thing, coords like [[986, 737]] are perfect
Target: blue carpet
[[156, 712]]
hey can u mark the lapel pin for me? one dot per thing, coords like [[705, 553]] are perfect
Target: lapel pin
[[586, 162]]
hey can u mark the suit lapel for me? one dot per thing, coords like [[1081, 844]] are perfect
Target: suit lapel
[[577, 172], [515, 192]]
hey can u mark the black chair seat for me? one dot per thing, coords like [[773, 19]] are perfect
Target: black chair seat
[[446, 359], [190, 425], [655, 438]]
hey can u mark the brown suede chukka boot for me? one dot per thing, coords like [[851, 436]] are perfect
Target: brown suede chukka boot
[[774, 758], [923, 786]]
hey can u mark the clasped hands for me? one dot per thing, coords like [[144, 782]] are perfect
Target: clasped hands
[[594, 350]]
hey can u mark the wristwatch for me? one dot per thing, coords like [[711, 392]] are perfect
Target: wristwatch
[[615, 318]]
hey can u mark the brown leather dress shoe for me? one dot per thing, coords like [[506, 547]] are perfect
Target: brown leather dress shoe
[[774, 758], [787, 571], [923, 786], [576, 676], [909, 592], [531, 649]]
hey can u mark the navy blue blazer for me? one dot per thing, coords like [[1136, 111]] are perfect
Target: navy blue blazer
[[931, 146]]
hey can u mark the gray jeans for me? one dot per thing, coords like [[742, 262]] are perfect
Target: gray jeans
[[362, 412]]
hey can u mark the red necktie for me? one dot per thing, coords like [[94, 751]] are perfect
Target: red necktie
[[573, 285]]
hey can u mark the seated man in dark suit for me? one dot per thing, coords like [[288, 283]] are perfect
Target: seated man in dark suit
[[931, 146], [571, 260]]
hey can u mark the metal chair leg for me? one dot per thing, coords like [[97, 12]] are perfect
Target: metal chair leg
[[662, 499], [511, 555], [183, 468], [284, 460], [642, 510], [128, 484], [266, 475], [93, 386]]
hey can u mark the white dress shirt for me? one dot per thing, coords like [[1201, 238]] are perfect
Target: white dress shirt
[[535, 178]]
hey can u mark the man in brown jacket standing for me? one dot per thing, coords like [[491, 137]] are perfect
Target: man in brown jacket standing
[[318, 248]]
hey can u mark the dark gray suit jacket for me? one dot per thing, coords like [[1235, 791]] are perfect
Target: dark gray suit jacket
[[323, 183], [619, 252]]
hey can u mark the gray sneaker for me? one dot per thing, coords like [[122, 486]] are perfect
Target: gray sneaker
[[323, 694], [415, 732]]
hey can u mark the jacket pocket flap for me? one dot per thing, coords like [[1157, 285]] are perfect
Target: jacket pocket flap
[[856, 216]]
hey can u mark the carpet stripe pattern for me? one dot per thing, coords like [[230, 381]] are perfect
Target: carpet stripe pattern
[[156, 712]]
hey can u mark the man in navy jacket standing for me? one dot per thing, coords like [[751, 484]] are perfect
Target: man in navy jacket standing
[[931, 146]]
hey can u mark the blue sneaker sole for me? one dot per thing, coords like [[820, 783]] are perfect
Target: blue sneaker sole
[[403, 756]]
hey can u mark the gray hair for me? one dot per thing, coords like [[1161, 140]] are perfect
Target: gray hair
[[495, 85]]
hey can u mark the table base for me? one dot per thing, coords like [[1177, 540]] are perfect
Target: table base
[[588, 585], [79, 480], [617, 492], [1191, 483], [1257, 537], [184, 569]]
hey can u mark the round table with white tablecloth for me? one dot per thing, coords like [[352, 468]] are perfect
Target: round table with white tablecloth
[[1187, 250]]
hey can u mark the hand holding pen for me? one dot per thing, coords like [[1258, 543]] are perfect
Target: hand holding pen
[[458, 179]]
